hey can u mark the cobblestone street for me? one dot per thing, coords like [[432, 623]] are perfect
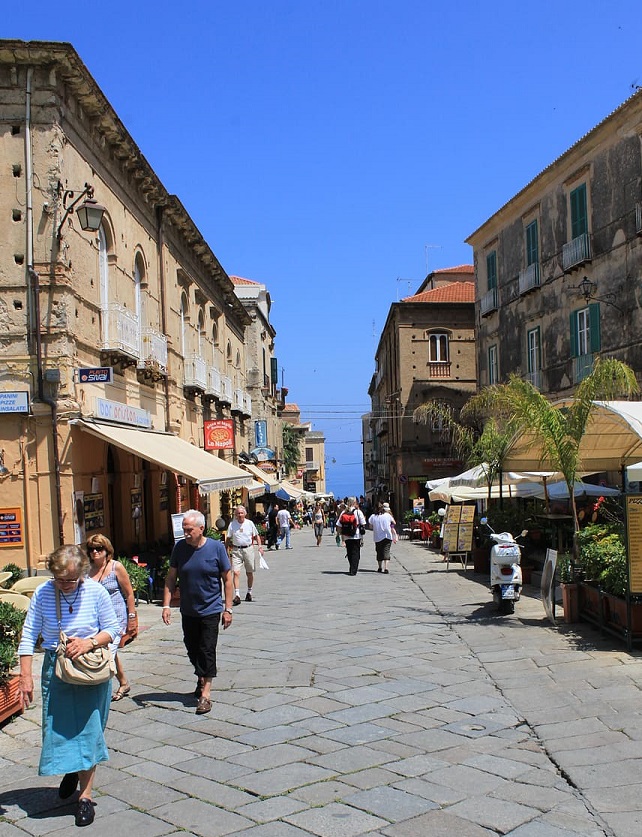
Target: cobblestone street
[[398, 705]]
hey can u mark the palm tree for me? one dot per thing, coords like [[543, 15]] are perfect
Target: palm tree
[[477, 438], [558, 430]]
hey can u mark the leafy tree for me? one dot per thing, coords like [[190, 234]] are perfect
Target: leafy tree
[[291, 449], [558, 430]]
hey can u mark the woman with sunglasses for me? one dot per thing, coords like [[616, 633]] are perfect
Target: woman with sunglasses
[[104, 569], [73, 717]]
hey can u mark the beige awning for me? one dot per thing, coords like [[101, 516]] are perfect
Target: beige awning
[[269, 481], [613, 439], [208, 471]]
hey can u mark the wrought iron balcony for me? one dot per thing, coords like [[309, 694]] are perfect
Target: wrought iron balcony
[[529, 278], [195, 373], [489, 302], [237, 400], [576, 252], [534, 378], [153, 351], [247, 404], [120, 331]]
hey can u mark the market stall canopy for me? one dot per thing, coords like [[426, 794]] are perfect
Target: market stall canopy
[[559, 490], [613, 440], [209, 472], [287, 491], [462, 493]]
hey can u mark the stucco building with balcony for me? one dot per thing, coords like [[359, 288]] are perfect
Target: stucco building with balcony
[[140, 296], [559, 267], [426, 352]]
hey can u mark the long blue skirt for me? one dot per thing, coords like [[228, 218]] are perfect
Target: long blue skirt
[[73, 723]]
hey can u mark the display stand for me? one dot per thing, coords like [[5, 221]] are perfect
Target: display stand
[[458, 534]]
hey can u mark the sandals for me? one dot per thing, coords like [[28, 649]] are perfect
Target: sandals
[[121, 692], [204, 705]]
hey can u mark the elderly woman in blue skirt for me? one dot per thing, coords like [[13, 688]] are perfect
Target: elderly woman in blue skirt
[[73, 717]]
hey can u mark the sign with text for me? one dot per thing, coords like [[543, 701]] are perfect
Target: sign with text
[[219, 434], [14, 402], [123, 413], [11, 527], [634, 537], [260, 434], [96, 375], [458, 529]]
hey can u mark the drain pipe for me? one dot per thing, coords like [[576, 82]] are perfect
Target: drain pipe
[[34, 286]]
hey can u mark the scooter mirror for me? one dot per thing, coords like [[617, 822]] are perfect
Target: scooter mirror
[[441, 512], [523, 533], [483, 520]]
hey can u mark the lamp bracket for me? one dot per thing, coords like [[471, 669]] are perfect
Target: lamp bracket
[[70, 195], [587, 288]]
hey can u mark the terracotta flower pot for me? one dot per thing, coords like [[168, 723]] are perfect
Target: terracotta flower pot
[[10, 701], [570, 602]]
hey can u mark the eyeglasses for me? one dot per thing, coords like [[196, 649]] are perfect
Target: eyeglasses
[[66, 580]]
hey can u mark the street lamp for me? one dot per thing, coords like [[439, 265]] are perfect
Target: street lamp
[[90, 212]]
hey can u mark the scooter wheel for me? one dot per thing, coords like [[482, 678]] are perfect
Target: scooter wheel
[[507, 606]]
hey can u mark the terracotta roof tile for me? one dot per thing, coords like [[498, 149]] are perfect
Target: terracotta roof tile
[[452, 292], [291, 408], [238, 280], [462, 268]]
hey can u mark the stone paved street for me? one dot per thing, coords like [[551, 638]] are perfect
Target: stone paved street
[[398, 705]]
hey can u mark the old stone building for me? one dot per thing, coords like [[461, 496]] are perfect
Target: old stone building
[[139, 295], [559, 267], [426, 352]]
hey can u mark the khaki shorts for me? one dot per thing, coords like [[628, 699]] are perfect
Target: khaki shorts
[[243, 557]]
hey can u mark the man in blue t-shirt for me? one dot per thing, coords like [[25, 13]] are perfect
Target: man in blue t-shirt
[[203, 568]]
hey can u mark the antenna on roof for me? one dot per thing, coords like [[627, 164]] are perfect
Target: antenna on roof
[[430, 247], [409, 281]]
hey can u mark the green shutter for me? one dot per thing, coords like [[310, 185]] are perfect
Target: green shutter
[[579, 215], [573, 333], [532, 249], [491, 270], [274, 370], [594, 322]]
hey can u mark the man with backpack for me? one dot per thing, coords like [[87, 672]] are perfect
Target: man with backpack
[[353, 526]]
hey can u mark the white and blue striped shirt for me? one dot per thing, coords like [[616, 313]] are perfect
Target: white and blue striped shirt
[[92, 612]]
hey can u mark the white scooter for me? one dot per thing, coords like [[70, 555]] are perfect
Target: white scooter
[[505, 569]]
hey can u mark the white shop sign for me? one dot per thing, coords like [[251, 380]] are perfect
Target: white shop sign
[[14, 402], [117, 411]]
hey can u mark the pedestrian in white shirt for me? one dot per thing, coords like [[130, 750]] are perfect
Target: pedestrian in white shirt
[[242, 537]]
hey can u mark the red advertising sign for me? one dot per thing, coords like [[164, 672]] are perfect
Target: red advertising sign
[[219, 434]]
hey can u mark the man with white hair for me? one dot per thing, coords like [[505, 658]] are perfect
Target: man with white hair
[[203, 568], [242, 536]]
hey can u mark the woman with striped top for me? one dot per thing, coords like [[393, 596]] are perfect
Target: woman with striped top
[[73, 717]]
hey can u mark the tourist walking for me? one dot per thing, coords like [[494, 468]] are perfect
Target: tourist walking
[[109, 572], [318, 518], [242, 537], [352, 524], [202, 567], [285, 522], [74, 716], [383, 535], [272, 527]]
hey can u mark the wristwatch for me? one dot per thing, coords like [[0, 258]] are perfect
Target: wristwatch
[[94, 641], [228, 610]]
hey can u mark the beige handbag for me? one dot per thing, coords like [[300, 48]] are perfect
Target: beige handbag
[[90, 669]]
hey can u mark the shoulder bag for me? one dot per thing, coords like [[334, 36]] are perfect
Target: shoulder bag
[[90, 669]]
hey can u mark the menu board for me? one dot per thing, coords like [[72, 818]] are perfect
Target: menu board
[[458, 529], [94, 512], [11, 527], [634, 537]]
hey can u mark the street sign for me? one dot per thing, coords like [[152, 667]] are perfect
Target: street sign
[[14, 402]]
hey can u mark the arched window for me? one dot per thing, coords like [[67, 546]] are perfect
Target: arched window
[[238, 359], [184, 324], [228, 352], [139, 296], [200, 335], [438, 348], [105, 247]]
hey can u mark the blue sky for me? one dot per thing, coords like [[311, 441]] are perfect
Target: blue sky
[[337, 151]]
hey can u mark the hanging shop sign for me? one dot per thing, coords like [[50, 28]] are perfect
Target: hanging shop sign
[[263, 454], [96, 375], [219, 434], [260, 433]]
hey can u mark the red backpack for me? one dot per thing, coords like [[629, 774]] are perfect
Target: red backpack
[[348, 523]]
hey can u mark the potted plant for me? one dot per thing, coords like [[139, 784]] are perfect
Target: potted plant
[[11, 622], [16, 573], [139, 578]]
